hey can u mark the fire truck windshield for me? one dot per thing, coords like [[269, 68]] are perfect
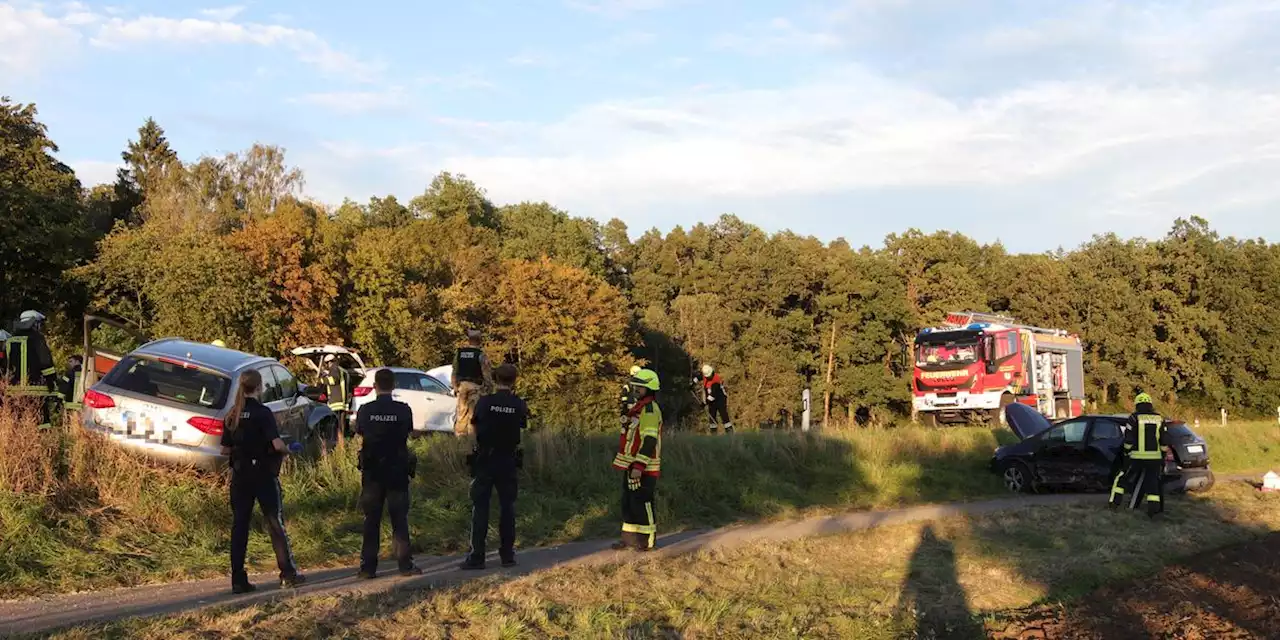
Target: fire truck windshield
[[946, 353]]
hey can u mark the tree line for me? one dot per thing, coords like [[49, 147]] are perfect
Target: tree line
[[229, 247]]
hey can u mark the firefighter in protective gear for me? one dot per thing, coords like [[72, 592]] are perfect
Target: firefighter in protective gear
[[337, 387], [1145, 442], [472, 377], [639, 458], [34, 363], [716, 399]]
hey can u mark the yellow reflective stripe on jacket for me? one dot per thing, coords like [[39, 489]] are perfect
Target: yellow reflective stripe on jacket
[[1148, 450]]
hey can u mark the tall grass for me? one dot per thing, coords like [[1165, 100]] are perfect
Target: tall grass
[[77, 512]]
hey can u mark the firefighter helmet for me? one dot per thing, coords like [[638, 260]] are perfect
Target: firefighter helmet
[[707, 370], [646, 379], [30, 319], [1143, 398]]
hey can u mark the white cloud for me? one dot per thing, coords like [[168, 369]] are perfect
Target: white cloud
[[357, 102], [94, 172], [856, 131], [778, 35], [531, 59], [222, 14], [31, 36], [618, 8]]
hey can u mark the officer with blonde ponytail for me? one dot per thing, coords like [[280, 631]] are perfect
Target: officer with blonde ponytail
[[251, 439]]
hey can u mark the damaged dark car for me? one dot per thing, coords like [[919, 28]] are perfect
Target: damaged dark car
[[1085, 453]]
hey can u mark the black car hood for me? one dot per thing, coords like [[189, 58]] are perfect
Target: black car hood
[[1025, 421]]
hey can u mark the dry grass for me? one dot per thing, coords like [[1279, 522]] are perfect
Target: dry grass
[[922, 580], [76, 513]]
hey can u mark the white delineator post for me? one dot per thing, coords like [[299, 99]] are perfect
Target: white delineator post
[[1224, 417], [804, 420]]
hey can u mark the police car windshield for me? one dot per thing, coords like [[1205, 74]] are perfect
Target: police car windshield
[[167, 381]]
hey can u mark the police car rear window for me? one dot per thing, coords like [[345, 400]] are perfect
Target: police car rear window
[[169, 381]]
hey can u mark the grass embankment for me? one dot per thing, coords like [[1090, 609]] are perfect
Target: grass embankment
[[75, 514], [938, 580]]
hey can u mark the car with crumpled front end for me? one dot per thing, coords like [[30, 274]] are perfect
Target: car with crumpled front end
[[168, 399], [1085, 453]]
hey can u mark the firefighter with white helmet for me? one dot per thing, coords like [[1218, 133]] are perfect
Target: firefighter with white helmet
[[336, 386], [35, 364], [716, 399]]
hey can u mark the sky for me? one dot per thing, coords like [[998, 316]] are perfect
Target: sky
[[1034, 123]]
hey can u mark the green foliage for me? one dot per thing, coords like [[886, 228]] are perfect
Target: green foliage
[[43, 230], [226, 247]]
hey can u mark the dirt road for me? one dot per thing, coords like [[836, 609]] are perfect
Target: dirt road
[[44, 614]]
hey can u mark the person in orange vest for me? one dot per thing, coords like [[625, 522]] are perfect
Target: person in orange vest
[[639, 458]]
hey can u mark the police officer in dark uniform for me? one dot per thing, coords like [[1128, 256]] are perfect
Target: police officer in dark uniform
[[386, 466], [499, 419], [251, 439]]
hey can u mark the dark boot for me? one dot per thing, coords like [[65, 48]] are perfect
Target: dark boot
[[628, 541]]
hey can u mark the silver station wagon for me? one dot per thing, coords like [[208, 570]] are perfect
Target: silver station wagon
[[167, 400]]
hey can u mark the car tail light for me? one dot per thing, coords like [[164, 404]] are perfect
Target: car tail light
[[361, 392], [211, 426], [97, 400]]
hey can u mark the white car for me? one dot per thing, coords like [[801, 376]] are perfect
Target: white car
[[433, 404]]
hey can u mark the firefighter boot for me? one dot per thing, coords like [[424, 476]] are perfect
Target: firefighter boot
[[628, 541], [728, 427]]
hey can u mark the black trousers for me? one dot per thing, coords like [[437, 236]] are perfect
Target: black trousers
[[498, 473], [718, 412], [264, 489], [638, 524], [374, 495], [1140, 477]]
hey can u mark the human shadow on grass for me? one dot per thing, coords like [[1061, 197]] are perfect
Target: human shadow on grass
[[931, 595]]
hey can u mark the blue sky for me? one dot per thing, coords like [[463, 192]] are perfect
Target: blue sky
[[1034, 123]]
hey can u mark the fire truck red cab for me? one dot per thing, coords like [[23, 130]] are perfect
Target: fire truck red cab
[[969, 369]]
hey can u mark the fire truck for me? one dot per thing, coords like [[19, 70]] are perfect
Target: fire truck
[[974, 365]]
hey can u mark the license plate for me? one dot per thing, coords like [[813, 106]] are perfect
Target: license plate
[[1195, 448]]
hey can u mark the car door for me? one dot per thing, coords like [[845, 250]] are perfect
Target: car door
[[1106, 439], [441, 404], [296, 406], [409, 391], [1062, 458], [271, 397]]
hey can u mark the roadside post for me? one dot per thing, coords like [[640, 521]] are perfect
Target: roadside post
[[804, 420], [1224, 417]]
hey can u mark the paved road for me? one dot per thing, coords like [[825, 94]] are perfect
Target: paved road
[[45, 614]]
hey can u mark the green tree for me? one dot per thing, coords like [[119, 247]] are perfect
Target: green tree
[[45, 231]]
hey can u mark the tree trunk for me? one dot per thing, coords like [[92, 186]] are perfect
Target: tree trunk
[[831, 364]]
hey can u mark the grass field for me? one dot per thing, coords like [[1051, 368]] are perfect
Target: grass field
[[938, 580], [75, 514]]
